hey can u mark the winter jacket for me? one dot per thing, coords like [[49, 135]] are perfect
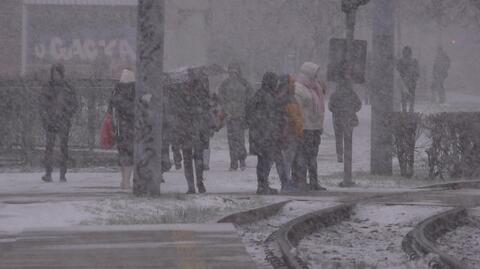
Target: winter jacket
[[266, 117], [294, 128], [233, 95], [409, 72], [122, 103], [441, 65], [58, 103], [194, 119], [344, 105], [310, 97]]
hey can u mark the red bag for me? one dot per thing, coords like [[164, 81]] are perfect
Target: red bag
[[107, 140]]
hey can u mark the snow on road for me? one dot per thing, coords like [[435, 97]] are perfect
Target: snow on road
[[254, 235], [371, 238], [463, 243]]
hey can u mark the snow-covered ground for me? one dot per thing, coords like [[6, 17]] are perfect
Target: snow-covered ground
[[371, 238], [27, 202], [254, 235], [463, 243]]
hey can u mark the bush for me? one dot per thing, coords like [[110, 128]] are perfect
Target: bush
[[405, 130], [455, 144]]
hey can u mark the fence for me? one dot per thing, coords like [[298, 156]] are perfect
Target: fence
[[20, 123]]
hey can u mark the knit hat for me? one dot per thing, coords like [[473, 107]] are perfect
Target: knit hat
[[127, 76]]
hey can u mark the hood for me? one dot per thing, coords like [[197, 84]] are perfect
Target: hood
[[309, 70], [127, 76], [270, 81]]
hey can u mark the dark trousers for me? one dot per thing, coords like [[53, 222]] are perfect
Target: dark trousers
[[264, 165], [51, 136], [193, 155], [306, 158], [236, 141], [177, 155], [438, 88], [408, 99], [338, 129]]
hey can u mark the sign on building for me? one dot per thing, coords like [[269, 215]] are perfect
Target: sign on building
[[337, 60], [92, 40]]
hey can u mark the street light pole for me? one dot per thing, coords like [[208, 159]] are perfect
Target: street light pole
[[149, 98], [382, 87]]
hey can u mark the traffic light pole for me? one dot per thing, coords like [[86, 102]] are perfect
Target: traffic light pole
[[350, 8], [149, 98]]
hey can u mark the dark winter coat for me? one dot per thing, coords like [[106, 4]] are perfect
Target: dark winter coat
[[58, 104], [234, 94], [123, 104], [344, 105], [441, 66], [193, 115], [266, 117], [409, 72]]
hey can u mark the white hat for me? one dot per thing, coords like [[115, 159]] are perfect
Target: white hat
[[127, 76]]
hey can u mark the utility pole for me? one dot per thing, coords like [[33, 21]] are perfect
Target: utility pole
[[149, 98], [382, 87], [350, 8]]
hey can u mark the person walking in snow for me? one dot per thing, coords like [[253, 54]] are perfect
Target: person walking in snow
[[58, 103], [266, 118], [194, 129], [122, 106], [409, 71], [310, 96], [234, 93], [344, 104], [441, 67]]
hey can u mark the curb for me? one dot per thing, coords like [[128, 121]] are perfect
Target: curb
[[253, 215], [295, 230], [454, 185], [420, 241]]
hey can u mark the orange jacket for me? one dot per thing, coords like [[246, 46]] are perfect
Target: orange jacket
[[294, 114]]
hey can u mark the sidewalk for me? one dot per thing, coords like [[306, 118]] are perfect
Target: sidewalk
[[160, 246]]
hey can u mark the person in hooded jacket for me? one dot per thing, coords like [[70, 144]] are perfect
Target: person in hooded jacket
[[310, 96], [122, 106], [266, 118], [194, 129], [58, 103], [234, 94], [441, 67], [409, 71]]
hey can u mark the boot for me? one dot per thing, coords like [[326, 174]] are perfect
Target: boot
[[126, 175], [316, 187], [201, 187], [243, 165], [264, 189], [47, 178]]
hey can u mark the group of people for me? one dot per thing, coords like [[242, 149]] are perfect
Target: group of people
[[409, 71], [284, 118]]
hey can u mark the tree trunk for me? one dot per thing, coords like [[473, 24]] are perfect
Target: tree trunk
[[149, 98], [382, 87]]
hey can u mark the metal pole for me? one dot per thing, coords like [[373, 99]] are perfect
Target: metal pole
[[347, 85], [382, 87], [149, 98]]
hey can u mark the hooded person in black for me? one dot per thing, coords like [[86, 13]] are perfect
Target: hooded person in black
[[194, 128], [58, 103], [266, 117]]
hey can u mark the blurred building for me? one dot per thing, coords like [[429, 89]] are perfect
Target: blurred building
[[93, 38]]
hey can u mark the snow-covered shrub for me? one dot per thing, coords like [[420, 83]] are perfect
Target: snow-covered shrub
[[405, 129], [455, 144]]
